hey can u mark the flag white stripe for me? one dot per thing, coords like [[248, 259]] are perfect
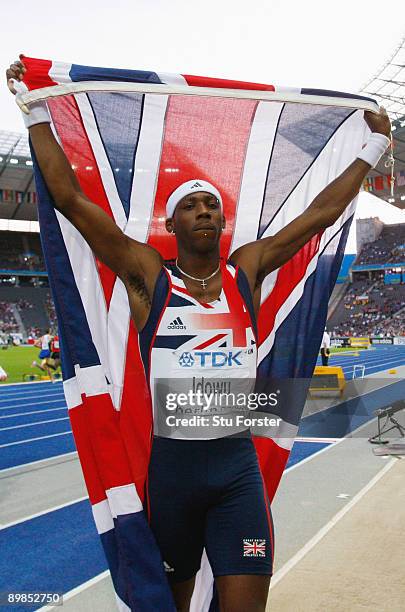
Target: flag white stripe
[[102, 160], [172, 79], [117, 331], [338, 153], [89, 286], [260, 145], [59, 72], [146, 168], [141, 211]]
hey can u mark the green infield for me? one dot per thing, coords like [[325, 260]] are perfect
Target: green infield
[[347, 349], [17, 360]]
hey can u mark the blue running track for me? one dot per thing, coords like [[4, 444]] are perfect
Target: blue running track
[[375, 359]]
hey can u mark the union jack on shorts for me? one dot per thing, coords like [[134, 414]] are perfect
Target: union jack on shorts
[[254, 548]]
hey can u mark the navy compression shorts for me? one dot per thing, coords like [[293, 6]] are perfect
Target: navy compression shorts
[[209, 494]]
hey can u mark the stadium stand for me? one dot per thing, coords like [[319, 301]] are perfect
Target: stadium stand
[[8, 322], [21, 251], [371, 305], [385, 249], [34, 307]]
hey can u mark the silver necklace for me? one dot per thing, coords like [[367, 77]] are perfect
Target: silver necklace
[[203, 281]]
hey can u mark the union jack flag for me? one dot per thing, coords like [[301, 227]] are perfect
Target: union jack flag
[[132, 137], [254, 548]]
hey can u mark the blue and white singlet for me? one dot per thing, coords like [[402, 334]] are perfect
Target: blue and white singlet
[[188, 346]]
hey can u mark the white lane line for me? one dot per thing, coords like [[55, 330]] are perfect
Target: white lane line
[[53, 388], [33, 424], [32, 404], [20, 467], [377, 363], [311, 456], [63, 433], [28, 384], [24, 397], [42, 512], [317, 440], [10, 416], [283, 571], [77, 590]]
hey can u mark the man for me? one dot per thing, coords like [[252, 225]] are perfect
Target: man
[[203, 491], [325, 348], [44, 343], [54, 360]]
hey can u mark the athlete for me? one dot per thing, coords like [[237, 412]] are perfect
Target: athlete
[[44, 343], [54, 360], [205, 490]]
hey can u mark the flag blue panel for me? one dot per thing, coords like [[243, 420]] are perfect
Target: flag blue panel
[[76, 341], [93, 73], [120, 138]]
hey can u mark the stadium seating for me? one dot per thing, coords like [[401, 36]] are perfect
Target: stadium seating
[[8, 322], [34, 305], [370, 307], [21, 251], [384, 249]]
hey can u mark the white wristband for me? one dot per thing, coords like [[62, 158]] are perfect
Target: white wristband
[[374, 149], [38, 114]]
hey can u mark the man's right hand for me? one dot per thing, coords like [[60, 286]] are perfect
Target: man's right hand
[[16, 72]]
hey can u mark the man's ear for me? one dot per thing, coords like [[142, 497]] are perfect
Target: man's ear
[[170, 225], [223, 222]]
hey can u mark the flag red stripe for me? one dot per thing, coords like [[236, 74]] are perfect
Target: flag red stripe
[[272, 461], [201, 81], [192, 148], [288, 278], [209, 342], [80, 154], [37, 74]]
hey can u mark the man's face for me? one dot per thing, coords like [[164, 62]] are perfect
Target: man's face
[[198, 221]]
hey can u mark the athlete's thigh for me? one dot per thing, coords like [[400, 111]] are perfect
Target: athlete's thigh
[[176, 520], [239, 535]]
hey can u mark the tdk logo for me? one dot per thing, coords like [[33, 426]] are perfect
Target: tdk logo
[[203, 359], [176, 324], [186, 360]]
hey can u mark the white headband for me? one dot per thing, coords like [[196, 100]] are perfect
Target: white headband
[[187, 188]]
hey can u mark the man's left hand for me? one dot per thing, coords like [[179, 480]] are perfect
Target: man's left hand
[[378, 122]]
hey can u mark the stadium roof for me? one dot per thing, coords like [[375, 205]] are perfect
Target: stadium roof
[[387, 86]]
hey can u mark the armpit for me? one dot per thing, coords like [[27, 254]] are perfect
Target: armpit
[[136, 283]]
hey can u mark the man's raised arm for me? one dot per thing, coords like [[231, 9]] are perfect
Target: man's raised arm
[[261, 257], [119, 252]]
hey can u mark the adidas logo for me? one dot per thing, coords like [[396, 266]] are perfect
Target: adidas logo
[[196, 185], [176, 324], [167, 567]]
